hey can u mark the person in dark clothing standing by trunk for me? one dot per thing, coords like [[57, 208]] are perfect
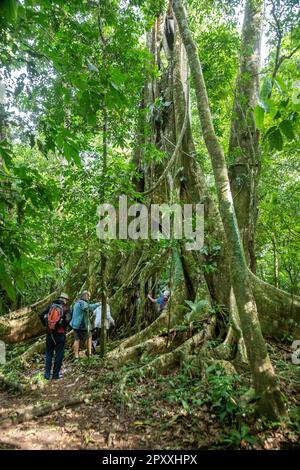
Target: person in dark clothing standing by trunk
[[56, 334]]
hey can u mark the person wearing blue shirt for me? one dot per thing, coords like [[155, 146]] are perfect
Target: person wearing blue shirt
[[81, 323], [162, 300]]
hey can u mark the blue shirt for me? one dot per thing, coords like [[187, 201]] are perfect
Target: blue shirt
[[80, 319], [162, 302]]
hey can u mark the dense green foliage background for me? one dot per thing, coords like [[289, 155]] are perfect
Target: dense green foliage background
[[61, 63]]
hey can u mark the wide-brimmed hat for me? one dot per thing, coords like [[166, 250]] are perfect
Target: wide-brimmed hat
[[85, 292], [63, 295]]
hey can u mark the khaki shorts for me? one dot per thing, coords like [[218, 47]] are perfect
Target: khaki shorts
[[81, 335]]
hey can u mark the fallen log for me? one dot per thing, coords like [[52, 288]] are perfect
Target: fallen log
[[10, 385], [31, 412]]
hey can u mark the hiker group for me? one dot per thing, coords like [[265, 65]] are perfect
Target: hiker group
[[85, 320]]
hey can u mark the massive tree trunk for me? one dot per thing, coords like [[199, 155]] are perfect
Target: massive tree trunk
[[270, 402], [244, 137], [275, 307]]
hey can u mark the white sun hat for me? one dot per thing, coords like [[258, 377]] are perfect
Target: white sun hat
[[63, 295]]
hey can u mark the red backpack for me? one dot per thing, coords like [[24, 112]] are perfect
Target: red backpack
[[55, 317]]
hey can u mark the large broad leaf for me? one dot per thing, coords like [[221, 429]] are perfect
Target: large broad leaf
[[281, 84], [287, 129], [275, 140], [71, 152], [91, 117], [266, 89], [117, 77], [114, 98], [6, 153], [296, 93], [197, 307], [269, 106], [89, 104], [259, 114]]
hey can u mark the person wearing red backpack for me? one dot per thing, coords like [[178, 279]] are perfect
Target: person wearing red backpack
[[56, 318]]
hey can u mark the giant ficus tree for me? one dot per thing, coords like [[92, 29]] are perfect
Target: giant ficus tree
[[270, 400], [153, 154]]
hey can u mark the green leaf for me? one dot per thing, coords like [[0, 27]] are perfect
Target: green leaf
[[266, 89], [5, 168], [6, 283], [275, 140], [190, 303], [40, 145], [117, 76], [259, 114], [10, 9], [91, 117], [20, 283], [277, 115], [185, 405], [71, 152], [269, 106], [270, 130], [6, 153], [284, 103], [287, 128], [281, 84], [115, 98]]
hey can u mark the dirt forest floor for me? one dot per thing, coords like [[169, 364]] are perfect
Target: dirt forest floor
[[174, 411]]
